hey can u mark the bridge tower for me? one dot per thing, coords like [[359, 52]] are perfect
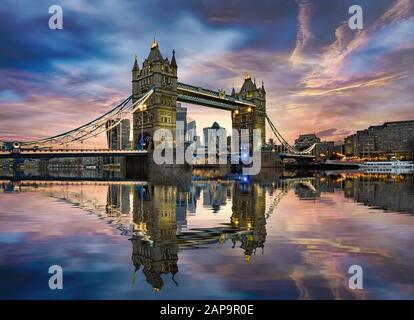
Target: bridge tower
[[160, 112], [251, 118]]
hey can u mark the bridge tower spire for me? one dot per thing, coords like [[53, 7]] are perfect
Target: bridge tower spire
[[135, 68], [173, 62]]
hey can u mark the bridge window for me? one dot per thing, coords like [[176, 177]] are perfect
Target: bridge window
[[166, 119]]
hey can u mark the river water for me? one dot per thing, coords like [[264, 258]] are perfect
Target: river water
[[290, 235]]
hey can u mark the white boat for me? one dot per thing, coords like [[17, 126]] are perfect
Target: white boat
[[387, 165], [388, 170]]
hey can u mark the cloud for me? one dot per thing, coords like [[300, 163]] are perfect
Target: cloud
[[317, 72], [347, 52], [333, 132], [304, 33], [341, 85]]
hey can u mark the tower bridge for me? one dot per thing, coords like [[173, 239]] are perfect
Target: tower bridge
[[152, 106]]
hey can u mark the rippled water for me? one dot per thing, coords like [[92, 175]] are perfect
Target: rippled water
[[286, 237]]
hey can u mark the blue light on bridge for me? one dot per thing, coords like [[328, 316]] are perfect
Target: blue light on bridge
[[243, 179]]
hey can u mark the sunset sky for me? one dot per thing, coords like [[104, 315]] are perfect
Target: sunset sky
[[320, 76]]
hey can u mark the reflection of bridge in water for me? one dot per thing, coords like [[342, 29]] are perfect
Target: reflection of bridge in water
[[156, 216]]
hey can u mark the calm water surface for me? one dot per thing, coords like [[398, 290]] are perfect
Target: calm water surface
[[285, 237]]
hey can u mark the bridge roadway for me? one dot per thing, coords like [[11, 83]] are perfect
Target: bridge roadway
[[69, 153]]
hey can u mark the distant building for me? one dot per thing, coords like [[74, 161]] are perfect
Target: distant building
[[324, 150], [350, 145], [391, 139], [339, 148], [182, 116], [125, 134], [306, 140], [210, 132], [111, 135], [191, 131], [118, 137]]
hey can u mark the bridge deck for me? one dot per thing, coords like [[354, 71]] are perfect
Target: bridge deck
[[213, 99]]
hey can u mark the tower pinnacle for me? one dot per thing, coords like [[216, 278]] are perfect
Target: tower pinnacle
[[135, 67], [173, 62], [154, 44]]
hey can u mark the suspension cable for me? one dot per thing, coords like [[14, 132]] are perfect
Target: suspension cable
[[96, 126], [284, 143]]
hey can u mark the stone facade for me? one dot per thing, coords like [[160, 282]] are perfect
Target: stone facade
[[386, 140], [251, 118], [161, 75]]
